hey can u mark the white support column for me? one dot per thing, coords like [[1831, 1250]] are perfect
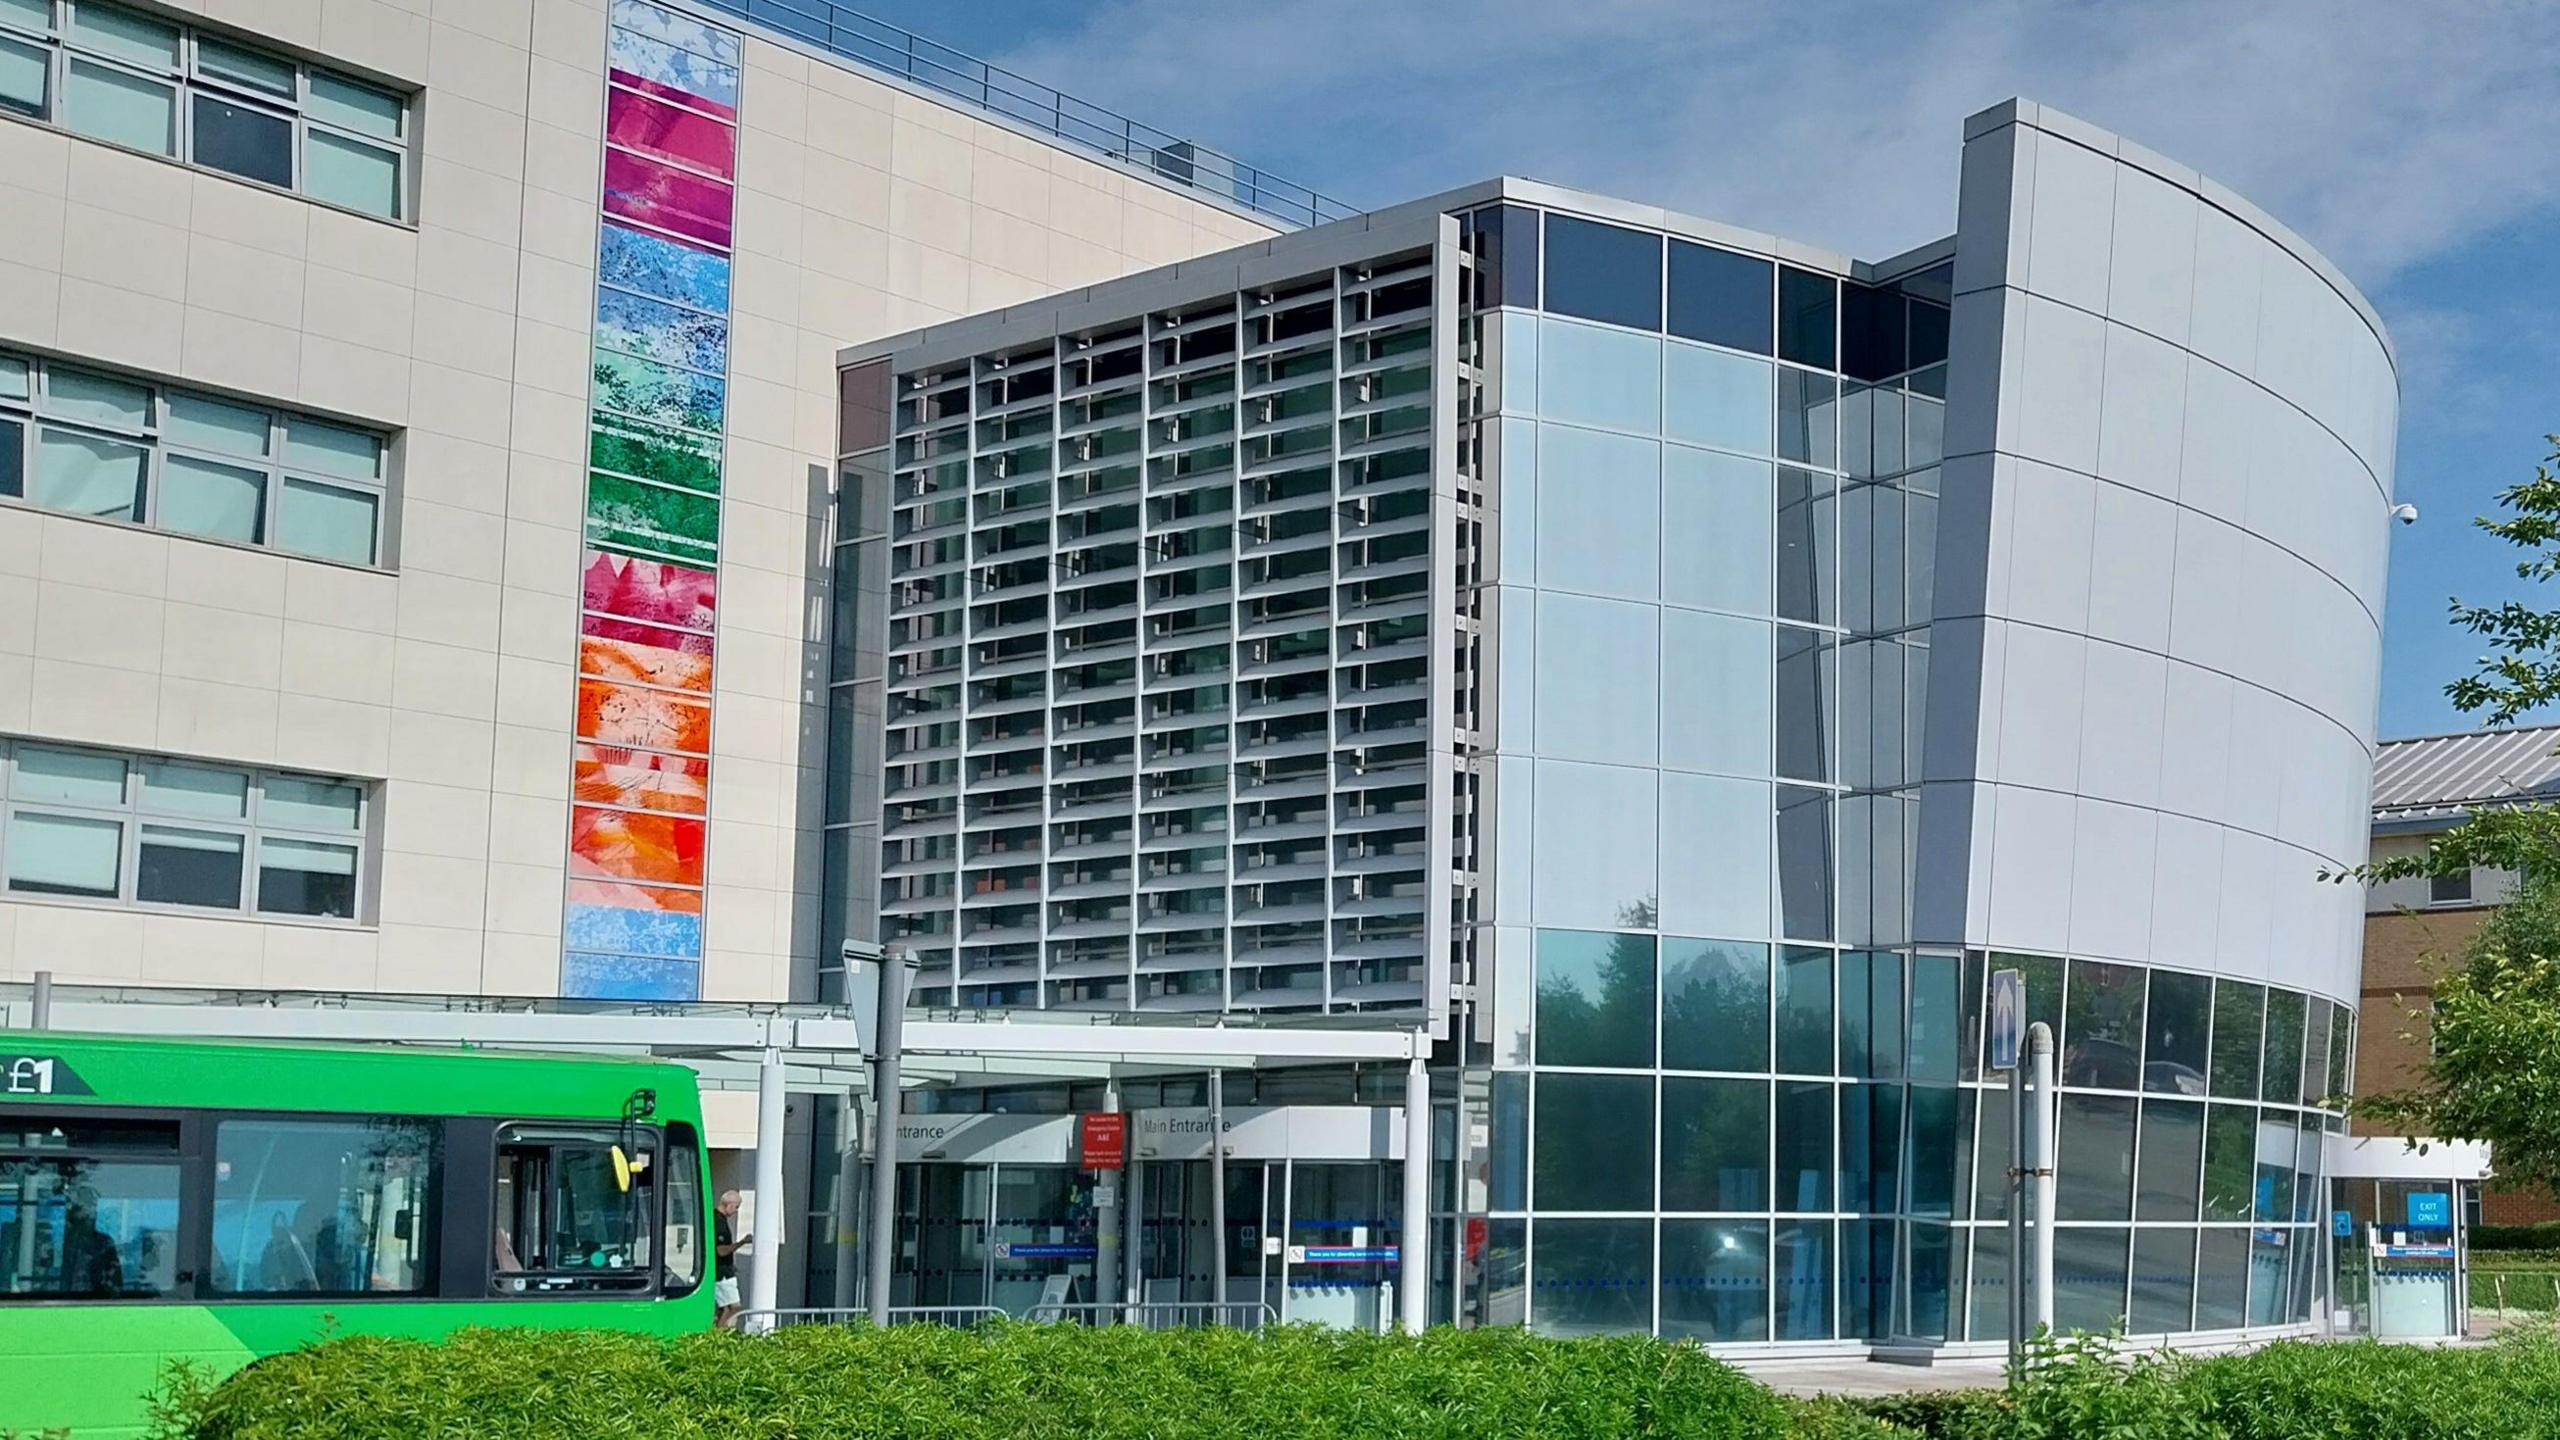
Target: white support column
[[1413, 1253], [764, 1277], [2040, 1119], [848, 1200]]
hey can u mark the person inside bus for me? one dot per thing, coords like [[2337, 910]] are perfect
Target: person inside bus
[[725, 1241]]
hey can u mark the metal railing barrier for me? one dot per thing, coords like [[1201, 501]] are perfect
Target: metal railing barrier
[[965, 78], [1157, 1314], [757, 1322]]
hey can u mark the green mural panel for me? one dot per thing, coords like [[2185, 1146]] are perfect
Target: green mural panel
[[660, 393], [652, 520], [654, 452]]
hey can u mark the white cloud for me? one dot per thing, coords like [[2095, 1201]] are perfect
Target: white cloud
[[2386, 134]]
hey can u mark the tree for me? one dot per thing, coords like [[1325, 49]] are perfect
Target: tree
[[2493, 1071]]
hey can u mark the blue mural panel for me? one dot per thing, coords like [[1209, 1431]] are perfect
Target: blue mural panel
[[589, 976], [656, 330], [622, 930], [655, 265]]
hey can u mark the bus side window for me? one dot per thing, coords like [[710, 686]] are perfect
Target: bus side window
[[684, 1240], [576, 1211], [337, 1206], [88, 1208]]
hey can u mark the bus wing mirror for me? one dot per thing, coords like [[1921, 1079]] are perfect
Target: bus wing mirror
[[621, 1170]]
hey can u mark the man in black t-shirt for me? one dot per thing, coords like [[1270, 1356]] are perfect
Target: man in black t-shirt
[[725, 1241]]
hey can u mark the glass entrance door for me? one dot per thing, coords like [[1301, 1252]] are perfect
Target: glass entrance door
[[1043, 1250], [941, 1257], [1337, 1238]]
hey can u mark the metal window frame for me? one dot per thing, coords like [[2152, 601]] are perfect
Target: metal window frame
[[185, 79], [131, 815]]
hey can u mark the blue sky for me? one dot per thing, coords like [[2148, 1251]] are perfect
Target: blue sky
[[2412, 144]]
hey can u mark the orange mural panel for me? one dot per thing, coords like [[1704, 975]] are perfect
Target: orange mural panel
[[627, 715], [640, 780], [635, 897], [634, 846]]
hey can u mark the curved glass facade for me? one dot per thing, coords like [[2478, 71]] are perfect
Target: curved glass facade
[[1738, 1142]]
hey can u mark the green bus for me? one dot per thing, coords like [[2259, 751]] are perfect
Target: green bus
[[218, 1201]]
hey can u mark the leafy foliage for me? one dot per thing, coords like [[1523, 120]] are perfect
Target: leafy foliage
[[2494, 1069], [2522, 672], [1010, 1382]]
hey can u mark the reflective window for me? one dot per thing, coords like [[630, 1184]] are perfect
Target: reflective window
[[1871, 326], [2172, 1160], [1598, 513], [1715, 855], [2089, 1269], [1807, 670], [1594, 832], [2181, 1010], [1871, 1147], [2281, 1080], [1805, 863], [2222, 1279], [325, 1207], [1802, 1280], [1588, 1127], [2238, 1018], [1712, 398], [1715, 1006], [2164, 1281], [1599, 671], [1593, 1277], [2315, 1054], [1871, 1015], [1990, 1290], [1718, 675], [1718, 520], [1939, 1155], [1507, 252], [1720, 297], [127, 78], [1715, 1279], [2272, 1201], [1935, 1280], [1507, 1172], [156, 832], [2269, 1251], [1804, 1027], [1937, 1018], [1715, 1144], [2342, 1032], [111, 448], [88, 1208], [1589, 375], [2102, 1027], [1866, 1278], [2230, 1162], [1808, 314], [1604, 272], [1808, 547], [1808, 418], [1803, 1136], [1595, 998], [2094, 1179]]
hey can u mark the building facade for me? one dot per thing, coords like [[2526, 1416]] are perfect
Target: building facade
[[1676, 664], [414, 428]]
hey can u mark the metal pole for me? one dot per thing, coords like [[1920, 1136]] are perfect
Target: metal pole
[[40, 1007], [2017, 1213], [1218, 1190], [2040, 1131], [1134, 1209], [1107, 1282], [764, 1281], [1413, 1251], [848, 1198], [888, 1044]]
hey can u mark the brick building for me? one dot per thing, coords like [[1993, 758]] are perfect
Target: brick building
[[2421, 788]]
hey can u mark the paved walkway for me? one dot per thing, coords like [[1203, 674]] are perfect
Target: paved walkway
[[1870, 1377]]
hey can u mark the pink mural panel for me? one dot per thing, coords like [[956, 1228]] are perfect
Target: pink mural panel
[[677, 201], [653, 590], [655, 128]]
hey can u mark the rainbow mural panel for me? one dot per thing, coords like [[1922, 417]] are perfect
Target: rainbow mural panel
[[640, 770]]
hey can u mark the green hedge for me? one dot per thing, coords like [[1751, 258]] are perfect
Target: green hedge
[[2296, 1390], [1015, 1382], [2543, 1236], [1020, 1382]]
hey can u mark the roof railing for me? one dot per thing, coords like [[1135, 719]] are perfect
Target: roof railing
[[945, 71]]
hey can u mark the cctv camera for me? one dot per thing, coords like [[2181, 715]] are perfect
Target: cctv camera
[[2405, 514]]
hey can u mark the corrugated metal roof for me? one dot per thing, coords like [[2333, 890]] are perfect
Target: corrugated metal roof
[[2443, 776]]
